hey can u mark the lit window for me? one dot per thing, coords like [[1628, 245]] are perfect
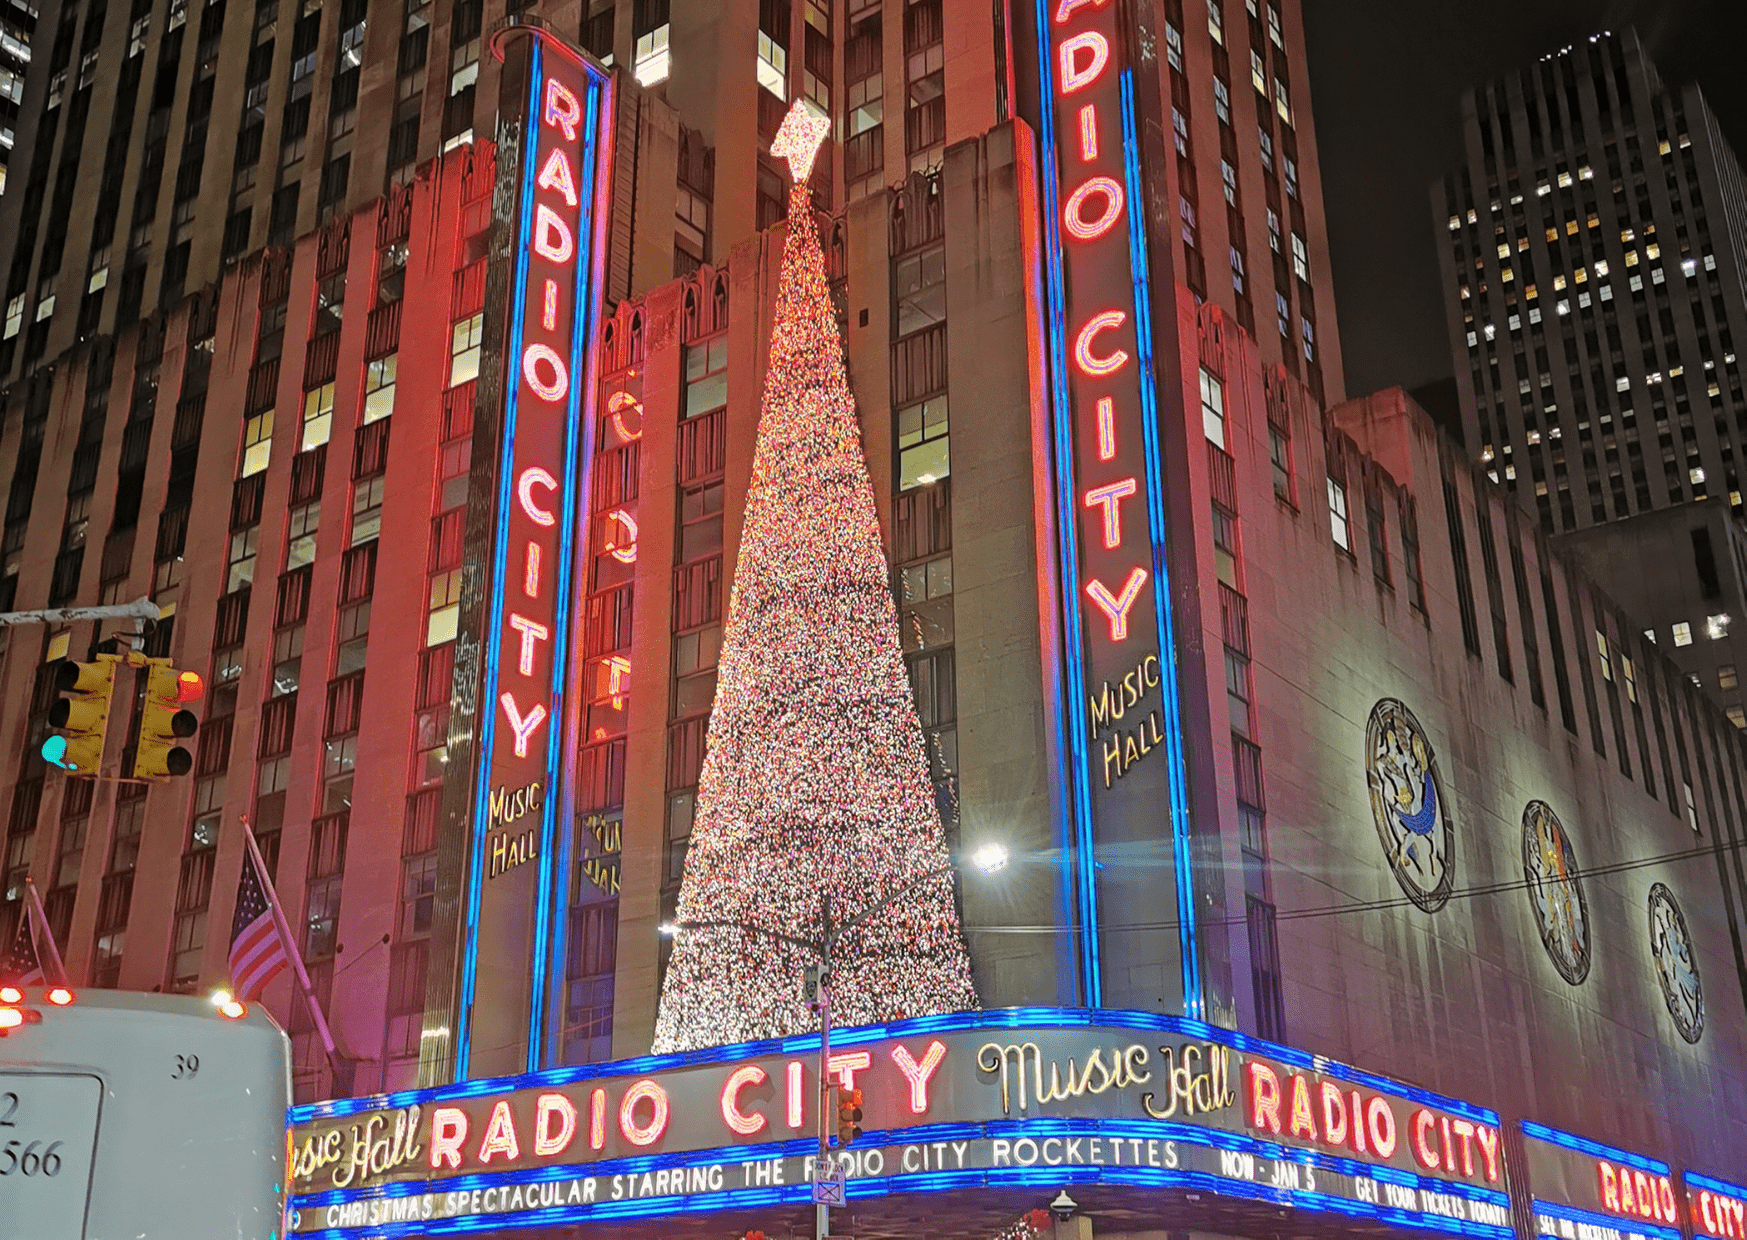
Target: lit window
[[14, 317], [1300, 258], [1737, 716], [1237, 271], [1682, 633], [1222, 101], [318, 416], [464, 345], [924, 448], [1274, 31], [1228, 174], [1180, 128], [1174, 46], [651, 60], [257, 444], [1630, 678], [1650, 636], [1258, 73], [1607, 665], [1280, 460], [1308, 330], [1212, 407], [444, 616], [1695, 475], [1726, 678], [1282, 104], [773, 61], [1717, 626], [1215, 21], [241, 559], [1291, 170], [379, 388], [1337, 514], [706, 376], [1273, 230]]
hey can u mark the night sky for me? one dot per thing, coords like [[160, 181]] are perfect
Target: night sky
[[1387, 78]]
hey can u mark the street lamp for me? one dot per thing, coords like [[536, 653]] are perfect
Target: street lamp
[[989, 858]]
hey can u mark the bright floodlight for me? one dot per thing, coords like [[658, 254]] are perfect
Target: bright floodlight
[[668, 929], [990, 858], [220, 998]]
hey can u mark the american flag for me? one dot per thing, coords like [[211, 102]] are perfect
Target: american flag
[[257, 954], [22, 966]]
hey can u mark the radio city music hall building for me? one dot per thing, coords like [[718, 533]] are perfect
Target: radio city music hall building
[[1371, 869]]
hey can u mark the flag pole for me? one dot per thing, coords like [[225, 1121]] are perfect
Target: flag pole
[[291, 948], [43, 932]]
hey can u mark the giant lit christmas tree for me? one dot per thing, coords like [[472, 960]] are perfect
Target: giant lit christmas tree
[[815, 778]]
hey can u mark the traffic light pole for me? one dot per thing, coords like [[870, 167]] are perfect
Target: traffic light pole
[[140, 609]]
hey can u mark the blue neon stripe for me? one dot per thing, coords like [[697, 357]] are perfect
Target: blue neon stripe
[[1078, 865], [797, 1147], [463, 1032], [1558, 1209], [1595, 1149], [1003, 1018], [1193, 999], [1695, 1179], [939, 1181], [577, 409]]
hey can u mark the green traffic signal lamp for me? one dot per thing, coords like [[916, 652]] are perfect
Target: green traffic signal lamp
[[165, 719], [848, 1115], [82, 715]]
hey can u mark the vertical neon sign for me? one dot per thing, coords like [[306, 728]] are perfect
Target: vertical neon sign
[[513, 881], [1125, 752]]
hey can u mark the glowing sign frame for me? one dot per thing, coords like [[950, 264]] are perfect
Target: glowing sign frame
[[572, 400], [1695, 1187], [1079, 867], [1011, 1023], [1569, 1143]]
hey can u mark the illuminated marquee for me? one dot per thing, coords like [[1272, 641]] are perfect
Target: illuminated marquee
[[972, 1100], [1585, 1190], [1126, 752], [1718, 1209], [525, 703]]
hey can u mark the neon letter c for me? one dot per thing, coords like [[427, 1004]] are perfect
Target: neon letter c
[[533, 476], [1111, 362]]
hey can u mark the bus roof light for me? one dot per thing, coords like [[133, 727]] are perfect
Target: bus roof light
[[60, 996], [233, 1009], [11, 994], [10, 1018]]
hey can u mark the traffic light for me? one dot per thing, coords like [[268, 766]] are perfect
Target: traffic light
[[165, 720], [810, 987], [82, 716], [848, 1115]]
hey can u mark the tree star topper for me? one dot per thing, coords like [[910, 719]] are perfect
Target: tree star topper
[[803, 129]]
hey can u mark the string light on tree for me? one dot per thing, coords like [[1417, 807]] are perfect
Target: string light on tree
[[815, 777]]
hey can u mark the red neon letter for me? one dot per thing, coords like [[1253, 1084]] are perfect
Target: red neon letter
[[1303, 1121], [1089, 133], [549, 314], [1115, 606], [532, 631], [500, 1135], [1358, 1121], [1076, 75], [448, 1131], [1334, 1114], [522, 725], [1110, 496], [550, 1107], [597, 1120], [1381, 1121], [1610, 1186], [617, 403], [624, 552], [1074, 213], [1264, 1096], [1465, 1135], [552, 239], [739, 1079], [533, 476], [645, 1134], [531, 570], [563, 108], [1106, 428], [797, 1096], [919, 1074], [1111, 362], [845, 1066], [1066, 8], [1424, 1123], [549, 391], [556, 175], [1488, 1138]]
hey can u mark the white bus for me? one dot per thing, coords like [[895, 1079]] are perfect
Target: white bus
[[140, 1117]]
